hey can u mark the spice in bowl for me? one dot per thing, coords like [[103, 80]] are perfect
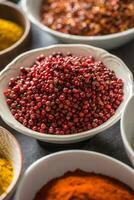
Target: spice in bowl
[[83, 185], [6, 174], [64, 94], [88, 17], [10, 33]]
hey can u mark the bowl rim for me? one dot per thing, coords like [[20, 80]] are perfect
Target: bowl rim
[[70, 36], [122, 125], [65, 152], [42, 159], [63, 138], [10, 188], [26, 28]]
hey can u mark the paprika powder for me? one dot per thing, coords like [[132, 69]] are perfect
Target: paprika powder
[[80, 185]]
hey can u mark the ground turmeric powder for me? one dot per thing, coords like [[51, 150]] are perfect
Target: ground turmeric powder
[[10, 33], [79, 185], [6, 174]]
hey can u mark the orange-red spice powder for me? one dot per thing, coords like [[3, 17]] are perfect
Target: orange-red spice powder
[[79, 185]]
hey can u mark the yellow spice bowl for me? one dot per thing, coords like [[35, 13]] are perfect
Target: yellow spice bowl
[[10, 149], [10, 11]]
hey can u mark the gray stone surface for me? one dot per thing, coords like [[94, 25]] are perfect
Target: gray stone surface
[[108, 142]]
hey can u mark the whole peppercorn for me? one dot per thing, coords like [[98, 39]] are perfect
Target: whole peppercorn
[[64, 94]]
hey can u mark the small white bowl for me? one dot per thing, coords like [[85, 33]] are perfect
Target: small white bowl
[[127, 128], [10, 149], [32, 9], [55, 165], [26, 59]]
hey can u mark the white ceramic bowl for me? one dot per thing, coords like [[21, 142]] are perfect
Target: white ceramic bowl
[[10, 149], [27, 59], [55, 165], [32, 9], [127, 128]]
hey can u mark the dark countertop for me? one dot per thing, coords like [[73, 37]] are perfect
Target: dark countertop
[[108, 142]]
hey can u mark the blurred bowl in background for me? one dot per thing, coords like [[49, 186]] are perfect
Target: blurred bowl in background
[[33, 8], [10, 11]]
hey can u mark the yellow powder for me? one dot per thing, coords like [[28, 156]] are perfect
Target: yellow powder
[[6, 174], [10, 33]]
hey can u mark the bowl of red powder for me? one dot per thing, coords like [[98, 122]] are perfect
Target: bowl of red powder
[[106, 24], [64, 93], [77, 175]]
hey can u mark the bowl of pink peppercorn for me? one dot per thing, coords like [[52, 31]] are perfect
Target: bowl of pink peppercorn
[[64, 93]]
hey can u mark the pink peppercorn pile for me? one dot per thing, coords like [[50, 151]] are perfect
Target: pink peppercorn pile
[[64, 94]]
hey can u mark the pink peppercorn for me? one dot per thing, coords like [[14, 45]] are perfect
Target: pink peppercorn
[[64, 94]]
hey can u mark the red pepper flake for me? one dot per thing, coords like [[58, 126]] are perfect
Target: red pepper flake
[[88, 17]]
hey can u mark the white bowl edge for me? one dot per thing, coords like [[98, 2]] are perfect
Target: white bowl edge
[[127, 145]]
